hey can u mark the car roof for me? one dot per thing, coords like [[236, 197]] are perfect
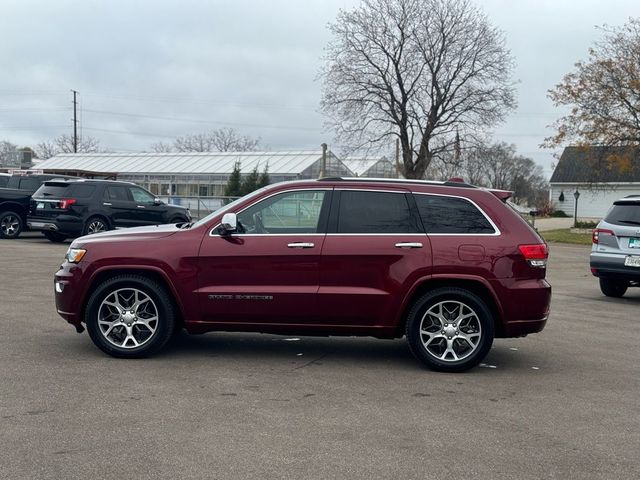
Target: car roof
[[88, 181]]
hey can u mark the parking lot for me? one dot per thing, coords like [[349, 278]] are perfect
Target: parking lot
[[560, 404]]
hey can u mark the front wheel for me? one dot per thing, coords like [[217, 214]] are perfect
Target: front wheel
[[10, 225], [450, 329], [130, 316], [613, 288]]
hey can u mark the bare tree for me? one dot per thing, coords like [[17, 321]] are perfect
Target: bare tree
[[64, 144], [6, 148], [161, 147], [418, 70], [220, 140]]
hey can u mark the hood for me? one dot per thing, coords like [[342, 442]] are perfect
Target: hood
[[127, 234]]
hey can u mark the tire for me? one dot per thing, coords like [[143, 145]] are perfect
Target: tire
[[177, 220], [11, 225], [95, 225], [134, 334], [613, 288], [448, 344], [55, 237]]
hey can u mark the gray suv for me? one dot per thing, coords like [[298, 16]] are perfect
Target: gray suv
[[615, 254]]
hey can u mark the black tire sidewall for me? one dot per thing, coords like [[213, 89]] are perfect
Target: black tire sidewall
[[613, 288], [54, 237], [166, 316], [457, 294], [3, 215]]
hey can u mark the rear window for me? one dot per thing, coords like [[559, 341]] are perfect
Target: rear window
[[442, 214], [624, 213], [52, 189]]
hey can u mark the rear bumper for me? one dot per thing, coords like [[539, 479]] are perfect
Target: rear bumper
[[65, 224], [612, 265], [525, 306]]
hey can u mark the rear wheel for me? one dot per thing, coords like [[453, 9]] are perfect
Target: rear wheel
[[95, 225], [130, 316], [55, 237], [10, 225], [613, 288], [450, 329]]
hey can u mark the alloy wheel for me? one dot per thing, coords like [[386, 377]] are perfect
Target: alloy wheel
[[10, 225], [96, 226], [128, 318], [450, 331]]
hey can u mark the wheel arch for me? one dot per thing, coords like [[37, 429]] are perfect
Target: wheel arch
[[14, 207], [152, 273], [477, 286], [101, 216]]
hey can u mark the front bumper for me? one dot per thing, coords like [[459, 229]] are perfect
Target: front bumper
[[67, 288]]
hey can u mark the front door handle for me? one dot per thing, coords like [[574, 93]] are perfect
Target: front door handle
[[141, 206], [409, 245], [300, 245], [107, 204]]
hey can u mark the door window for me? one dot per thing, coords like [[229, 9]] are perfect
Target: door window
[[375, 212], [291, 212], [141, 196], [453, 215], [117, 193]]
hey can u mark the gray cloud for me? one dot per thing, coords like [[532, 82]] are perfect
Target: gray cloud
[[152, 70]]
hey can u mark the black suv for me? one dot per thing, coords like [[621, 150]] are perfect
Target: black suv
[[29, 182], [62, 209]]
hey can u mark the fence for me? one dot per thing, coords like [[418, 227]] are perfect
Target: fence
[[199, 206]]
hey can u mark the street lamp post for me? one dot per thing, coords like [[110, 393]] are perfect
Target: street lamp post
[[576, 195]]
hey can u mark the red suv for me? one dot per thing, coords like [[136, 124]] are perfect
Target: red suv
[[449, 265]]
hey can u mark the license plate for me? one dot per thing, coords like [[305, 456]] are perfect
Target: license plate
[[40, 206], [632, 261], [634, 242]]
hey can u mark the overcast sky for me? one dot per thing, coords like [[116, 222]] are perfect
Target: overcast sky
[[150, 70]]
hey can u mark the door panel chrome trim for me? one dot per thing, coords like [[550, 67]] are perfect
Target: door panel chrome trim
[[408, 245], [301, 245]]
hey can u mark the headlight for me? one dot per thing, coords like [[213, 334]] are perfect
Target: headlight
[[74, 255]]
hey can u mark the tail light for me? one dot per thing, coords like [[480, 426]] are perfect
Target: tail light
[[536, 255], [595, 237], [65, 203]]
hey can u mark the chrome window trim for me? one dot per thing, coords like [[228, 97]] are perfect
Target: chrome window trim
[[496, 233], [324, 189]]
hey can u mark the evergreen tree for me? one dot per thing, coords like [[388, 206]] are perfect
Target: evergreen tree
[[250, 182], [264, 179], [234, 184]]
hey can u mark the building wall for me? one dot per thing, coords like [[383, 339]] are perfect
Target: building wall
[[593, 202]]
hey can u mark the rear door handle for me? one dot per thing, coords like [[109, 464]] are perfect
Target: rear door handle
[[107, 204], [301, 245], [409, 245], [141, 206]]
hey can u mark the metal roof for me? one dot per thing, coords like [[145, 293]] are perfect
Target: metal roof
[[279, 163]]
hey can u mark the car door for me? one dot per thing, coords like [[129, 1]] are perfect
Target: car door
[[118, 203], [268, 271], [146, 211], [375, 250]]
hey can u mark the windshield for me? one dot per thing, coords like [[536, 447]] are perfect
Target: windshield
[[229, 206]]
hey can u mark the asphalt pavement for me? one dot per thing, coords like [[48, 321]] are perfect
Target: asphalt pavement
[[563, 403]]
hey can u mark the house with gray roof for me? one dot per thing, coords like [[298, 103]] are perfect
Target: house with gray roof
[[600, 175]]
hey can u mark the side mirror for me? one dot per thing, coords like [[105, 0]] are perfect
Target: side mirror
[[157, 201], [229, 223]]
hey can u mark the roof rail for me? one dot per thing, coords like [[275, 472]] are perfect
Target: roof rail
[[448, 183]]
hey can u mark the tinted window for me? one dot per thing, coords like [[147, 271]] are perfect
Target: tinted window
[[141, 196], [81, 191], [375, 212], [292, 212], [451, 215], [117, 193], [31, 184], [624, 213], [3, 181], [52, 189]]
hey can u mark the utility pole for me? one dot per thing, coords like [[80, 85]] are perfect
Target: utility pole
[[323, 169], [75, 123]]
